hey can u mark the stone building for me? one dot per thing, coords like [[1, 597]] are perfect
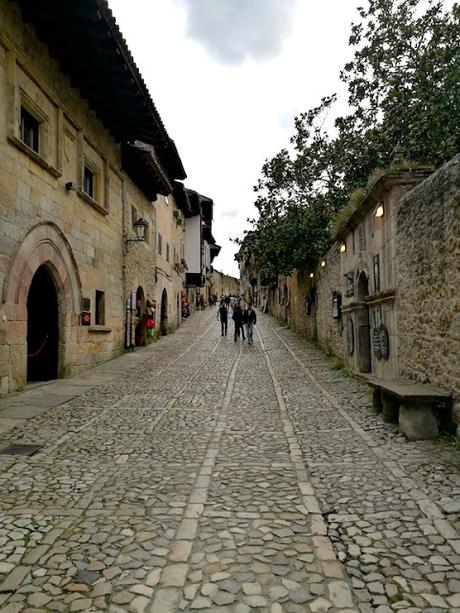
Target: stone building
[[428, 281], [224, 285], [83, 155], [170, 268], [385, 297], [200, 246], [252, 286], [364, 297]]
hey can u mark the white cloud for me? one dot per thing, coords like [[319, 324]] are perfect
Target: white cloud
[[235, 30], [225, 118], [229, 213]]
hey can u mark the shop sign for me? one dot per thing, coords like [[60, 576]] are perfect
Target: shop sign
[[85, 318]]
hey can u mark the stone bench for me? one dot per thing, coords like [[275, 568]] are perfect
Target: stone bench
[[416, 407]]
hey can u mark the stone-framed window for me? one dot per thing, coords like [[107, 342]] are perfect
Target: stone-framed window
[[167, 252], [33, 117], [29, 129], [89, 182], [160, 244], [99, 315], [31, 133], [362, 238], [93, 179]]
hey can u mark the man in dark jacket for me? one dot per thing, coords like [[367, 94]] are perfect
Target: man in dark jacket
[[222, 314], [250, 320], [238, 319]]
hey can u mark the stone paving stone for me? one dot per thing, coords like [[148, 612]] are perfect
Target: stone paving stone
[[203, 474]]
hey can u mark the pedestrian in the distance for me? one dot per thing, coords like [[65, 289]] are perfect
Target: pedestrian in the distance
[[250, 320], [238, 319], [222, 315]]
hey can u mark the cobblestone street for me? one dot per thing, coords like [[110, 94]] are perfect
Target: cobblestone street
[[204, 474]]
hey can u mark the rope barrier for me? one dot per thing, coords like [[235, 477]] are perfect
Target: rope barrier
[[33, 355]]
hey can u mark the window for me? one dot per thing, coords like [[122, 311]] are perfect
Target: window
[[89, 182], [30, 130], [160, 244], [100, 308], [362, 238], [167, 252], [134, 215]]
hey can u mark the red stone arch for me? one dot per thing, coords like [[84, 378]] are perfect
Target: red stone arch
[[44, 244]]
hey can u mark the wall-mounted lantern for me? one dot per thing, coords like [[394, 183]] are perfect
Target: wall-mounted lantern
[[343, 248], [323, 263], [140, 227], [312, 275], [380, 210]]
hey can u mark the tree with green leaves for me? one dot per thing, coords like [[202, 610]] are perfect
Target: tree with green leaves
[[403, 91]]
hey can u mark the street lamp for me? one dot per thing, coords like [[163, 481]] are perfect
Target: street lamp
[[380, 210], [140, 227]]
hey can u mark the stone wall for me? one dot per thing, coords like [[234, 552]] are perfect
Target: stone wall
[[329, 331], [170, 274], [428, 281], [78, 238], [224, 285]]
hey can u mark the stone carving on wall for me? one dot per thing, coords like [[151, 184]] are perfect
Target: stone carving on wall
[[376, 268], [350, 336], [380, 342], [336, 304], [349, 284]]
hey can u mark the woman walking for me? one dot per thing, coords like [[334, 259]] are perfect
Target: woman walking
[[250, 320]]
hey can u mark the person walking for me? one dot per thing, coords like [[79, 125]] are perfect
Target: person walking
[[238, 319], [250, 320], [222, 315]]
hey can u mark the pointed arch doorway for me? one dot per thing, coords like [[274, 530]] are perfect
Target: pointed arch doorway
[[42, 327], [42, 292]]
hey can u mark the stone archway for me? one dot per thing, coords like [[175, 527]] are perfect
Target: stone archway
[[42, 327], [43, 246]]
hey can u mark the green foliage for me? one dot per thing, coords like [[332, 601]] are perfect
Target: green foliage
[[396, 598], [344, 370], [450, 438], [344, 214], [403, 93], [281, 323]]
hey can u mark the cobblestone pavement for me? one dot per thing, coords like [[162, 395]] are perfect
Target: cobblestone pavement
[[205, 475]]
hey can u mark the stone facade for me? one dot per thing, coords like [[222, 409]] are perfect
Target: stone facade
[[75, 280], [224, 285], [139, 262], [428, 281], [170, 272], [385, 298]]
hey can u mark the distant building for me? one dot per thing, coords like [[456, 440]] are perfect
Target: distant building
[[200, 246]]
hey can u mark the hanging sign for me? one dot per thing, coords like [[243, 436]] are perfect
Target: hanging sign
[[85, 318]]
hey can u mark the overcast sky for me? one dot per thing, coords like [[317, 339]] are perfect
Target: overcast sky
[[228, 77]]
